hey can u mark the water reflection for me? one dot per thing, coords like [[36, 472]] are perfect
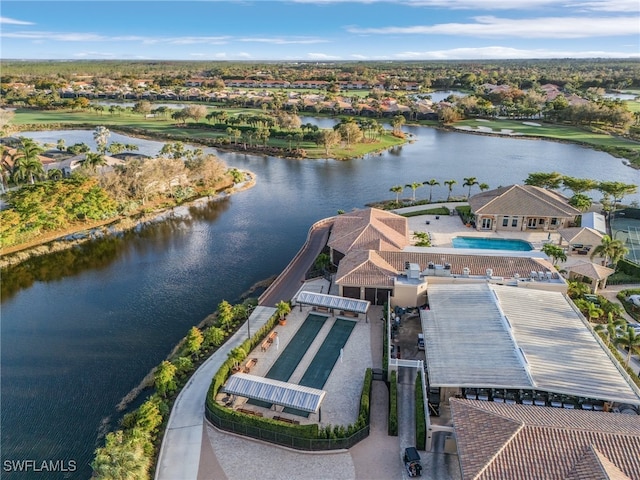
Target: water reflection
[[98, 254]]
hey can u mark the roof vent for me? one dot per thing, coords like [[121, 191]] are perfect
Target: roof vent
[[489, 272], [466, 271]]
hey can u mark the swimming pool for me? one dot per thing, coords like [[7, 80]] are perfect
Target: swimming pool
[[492, 243]]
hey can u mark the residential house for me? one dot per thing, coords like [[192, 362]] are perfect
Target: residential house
[[521, 208]]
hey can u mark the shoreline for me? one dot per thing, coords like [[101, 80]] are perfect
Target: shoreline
[[57, 242]]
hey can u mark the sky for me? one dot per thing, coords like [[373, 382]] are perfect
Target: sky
[[319, 30]]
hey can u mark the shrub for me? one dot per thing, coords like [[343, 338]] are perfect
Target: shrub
[[421, 423], [393, 405]]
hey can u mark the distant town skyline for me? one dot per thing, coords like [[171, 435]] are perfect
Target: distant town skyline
[[319, 30]]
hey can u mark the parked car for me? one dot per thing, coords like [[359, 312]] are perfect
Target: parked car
[[412, 462]]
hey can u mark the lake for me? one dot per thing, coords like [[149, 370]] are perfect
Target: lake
[[81, 328]]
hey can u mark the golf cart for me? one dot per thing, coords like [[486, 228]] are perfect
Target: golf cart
[[412, 462]]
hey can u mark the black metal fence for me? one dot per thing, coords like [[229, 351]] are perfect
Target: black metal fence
[[286, 440]]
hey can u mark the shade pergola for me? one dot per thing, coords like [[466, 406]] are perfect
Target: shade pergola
[[333, 302], [268, 390], [581, 236], [597, 273]]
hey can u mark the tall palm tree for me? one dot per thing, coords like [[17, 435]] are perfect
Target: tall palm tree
[[397, 189], [470, 182], [483, 187], [628, 338], [27, 165], [413, 186], [450, 184], [610, 249], [432, 183]]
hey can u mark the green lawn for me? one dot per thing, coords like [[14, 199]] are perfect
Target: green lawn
[[558, 132], [161, 126]]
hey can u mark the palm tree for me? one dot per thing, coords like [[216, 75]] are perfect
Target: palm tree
[[101, 136], [54, 174], [283, 309], [593, 311], [432, 183], [94, 160], [628, 338], [450, 184], [27, 163], [483, 187], [470, 182], [610, 328], [555, 252], [397, 189], [608, 248], [413, 186]]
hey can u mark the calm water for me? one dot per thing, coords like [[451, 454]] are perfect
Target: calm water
[[82, 327]]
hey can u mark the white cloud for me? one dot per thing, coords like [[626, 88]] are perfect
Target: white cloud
[[589, 5], [545, 27], [498, 52], [283, 41], [359, 57], [13, 21], [193, 40]]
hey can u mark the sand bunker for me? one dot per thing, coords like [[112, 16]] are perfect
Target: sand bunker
[[532, 124]]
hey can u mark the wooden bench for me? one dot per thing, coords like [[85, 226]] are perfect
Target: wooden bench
[[268, 341], [286, 420], [249, 412], [249, 365]]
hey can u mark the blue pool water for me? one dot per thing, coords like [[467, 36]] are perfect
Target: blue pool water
[[492, 243]]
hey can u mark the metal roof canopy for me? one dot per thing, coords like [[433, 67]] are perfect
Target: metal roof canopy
[[496, 336], [268, 390], [333, 301]]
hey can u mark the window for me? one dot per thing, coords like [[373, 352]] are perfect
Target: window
[[486, 224], [505, 222], [514, 222], [554, 221]]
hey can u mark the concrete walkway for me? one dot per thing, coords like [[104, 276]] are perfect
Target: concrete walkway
[[180, 451]]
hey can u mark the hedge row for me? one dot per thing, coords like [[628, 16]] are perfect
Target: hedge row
[[421, 422], [301, 431], [393, 405], [628, 267]]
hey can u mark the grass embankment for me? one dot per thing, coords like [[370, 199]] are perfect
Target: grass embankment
[[617, 146], [201, 132]]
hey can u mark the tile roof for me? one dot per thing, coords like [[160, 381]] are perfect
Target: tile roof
[[502, 266], [365, 268], [581, 235], [375, 268], [591, 270], [502, 441], [522, 200], [369, 229]]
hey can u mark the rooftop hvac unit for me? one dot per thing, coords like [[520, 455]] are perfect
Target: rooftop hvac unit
[[431, 266], [489, 272], [447, 266], [406, 265], [466, 271], [516, 276]]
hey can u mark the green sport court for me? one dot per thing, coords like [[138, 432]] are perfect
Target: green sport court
[[325, 359], [291, 356]]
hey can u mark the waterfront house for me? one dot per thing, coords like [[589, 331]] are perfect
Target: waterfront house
[[521, 208]]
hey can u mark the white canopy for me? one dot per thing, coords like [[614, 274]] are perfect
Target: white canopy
[[268, 390]]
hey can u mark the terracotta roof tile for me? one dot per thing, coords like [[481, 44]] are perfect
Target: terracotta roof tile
[[369, 229], [522, 200], [550, 443]]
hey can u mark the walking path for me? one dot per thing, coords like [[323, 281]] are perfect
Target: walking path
[[180, 451]]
